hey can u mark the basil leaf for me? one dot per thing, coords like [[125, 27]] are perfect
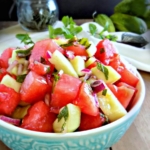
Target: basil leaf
[[51, 31], [93, 29], [66, 31], [25, 38], [56, 76], [72, 21], [94, 32], [21, 78], [104, 92], [65, 21], [58, 31], [68, 21], [103, 69], [63, 114], [74, 30], [24, 53], [69, 30]]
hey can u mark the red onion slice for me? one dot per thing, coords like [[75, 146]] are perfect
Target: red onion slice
[[70, 54], [86, 71], [48, 54], [10, 120], [87, 74], [96, 99], [98, 86], [12, 65]]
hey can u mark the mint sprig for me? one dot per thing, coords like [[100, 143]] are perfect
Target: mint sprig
[[93, 30], [63, 114], [69, 30], [103, 69], [68, 21], [25, 38]]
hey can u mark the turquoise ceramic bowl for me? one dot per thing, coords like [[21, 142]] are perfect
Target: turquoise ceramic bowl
[[96, 139]]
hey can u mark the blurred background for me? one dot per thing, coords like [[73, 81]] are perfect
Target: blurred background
[[77, 9]]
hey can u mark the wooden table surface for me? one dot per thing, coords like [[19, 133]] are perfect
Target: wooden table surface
[[138, 135]]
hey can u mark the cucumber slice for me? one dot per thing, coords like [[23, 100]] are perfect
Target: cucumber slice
[[11, 82], [110, 105], [20, 112], [15, 57], [90, 61], [113, 75], [79, 64], [61, 41], [62, 63], [92, 49], [70, 119]]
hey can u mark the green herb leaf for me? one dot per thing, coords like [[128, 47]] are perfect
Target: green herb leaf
[[56, 76], [85, 42], [72, 21], [51, 31], [74, 29], [104, 92], [65, 21], [105, 28], [69, 30], [111, 37], [94, 32], [68, 21], [25, 38], [93, 29], [103, 69], [24, 53], [58, 31], [63, 114], [66, 31], [21, 78]]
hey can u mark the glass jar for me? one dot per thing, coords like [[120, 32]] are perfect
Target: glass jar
[[36, 15]]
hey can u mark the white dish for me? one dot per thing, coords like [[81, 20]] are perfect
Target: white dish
[[138, 57]]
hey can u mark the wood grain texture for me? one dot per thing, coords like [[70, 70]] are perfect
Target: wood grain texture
[[138, 135]]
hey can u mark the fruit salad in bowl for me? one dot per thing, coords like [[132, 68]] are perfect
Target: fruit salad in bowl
[[66, 92]]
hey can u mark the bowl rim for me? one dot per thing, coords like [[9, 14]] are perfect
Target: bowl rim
[[45, 135]]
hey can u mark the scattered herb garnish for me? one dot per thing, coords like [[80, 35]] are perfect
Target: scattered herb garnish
[[103, 69], [56, 76], [63, 114], [25, 38], [24, 53], [93, 29], [84, 42], [94, 32], [21, 78], [104, 92]]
